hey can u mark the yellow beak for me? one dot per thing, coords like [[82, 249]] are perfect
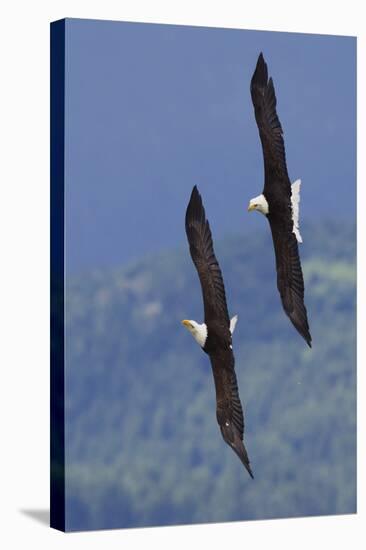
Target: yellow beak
[[186, 323], [251, 207]]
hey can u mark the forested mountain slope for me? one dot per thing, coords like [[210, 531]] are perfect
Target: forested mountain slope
[[142, 443]]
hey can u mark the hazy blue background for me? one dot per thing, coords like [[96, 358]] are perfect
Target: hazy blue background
[[152, 110]]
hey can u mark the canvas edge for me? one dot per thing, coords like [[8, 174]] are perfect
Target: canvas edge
[[57, 282]]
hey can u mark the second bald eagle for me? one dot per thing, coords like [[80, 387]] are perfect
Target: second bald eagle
[[279, 201], [214, 335]]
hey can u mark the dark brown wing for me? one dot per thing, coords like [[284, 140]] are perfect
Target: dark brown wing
[[229, 412], [270, 130], [290, 281], [203, 256]]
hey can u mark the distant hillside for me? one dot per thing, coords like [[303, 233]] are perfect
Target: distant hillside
[[142, 443]]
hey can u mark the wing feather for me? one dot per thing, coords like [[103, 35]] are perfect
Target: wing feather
[[229, 411], [290, 281], [203, 256], [270, 129]]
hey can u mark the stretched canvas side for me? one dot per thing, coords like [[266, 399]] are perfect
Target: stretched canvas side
[[57, 481]]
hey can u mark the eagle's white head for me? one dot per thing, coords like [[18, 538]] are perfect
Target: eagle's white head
[[199, 332], [259, 203]]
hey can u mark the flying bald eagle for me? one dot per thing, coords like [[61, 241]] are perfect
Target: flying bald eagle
[[214, 335], [279, 201]]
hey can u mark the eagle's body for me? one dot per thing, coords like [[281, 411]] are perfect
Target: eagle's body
[[279, 201], [215, 334]]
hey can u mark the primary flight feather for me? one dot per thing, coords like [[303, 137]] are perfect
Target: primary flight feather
[[215, 334], [279, 201]]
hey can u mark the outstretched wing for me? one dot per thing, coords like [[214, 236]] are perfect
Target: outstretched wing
[[203, 256], [270, 130], [290, 281], [229, 412]]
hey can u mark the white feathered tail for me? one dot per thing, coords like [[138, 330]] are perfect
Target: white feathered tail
[[233, 322], [295, 200]]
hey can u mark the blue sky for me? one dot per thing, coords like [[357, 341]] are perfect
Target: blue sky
[[152, 110]]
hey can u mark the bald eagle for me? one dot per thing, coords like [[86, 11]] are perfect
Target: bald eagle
[[215, 335], [279, 201]]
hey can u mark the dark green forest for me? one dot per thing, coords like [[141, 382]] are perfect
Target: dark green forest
[[142, 443]]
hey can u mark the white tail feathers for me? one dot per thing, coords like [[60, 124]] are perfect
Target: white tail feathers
[[233, 322], [295, 200]]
